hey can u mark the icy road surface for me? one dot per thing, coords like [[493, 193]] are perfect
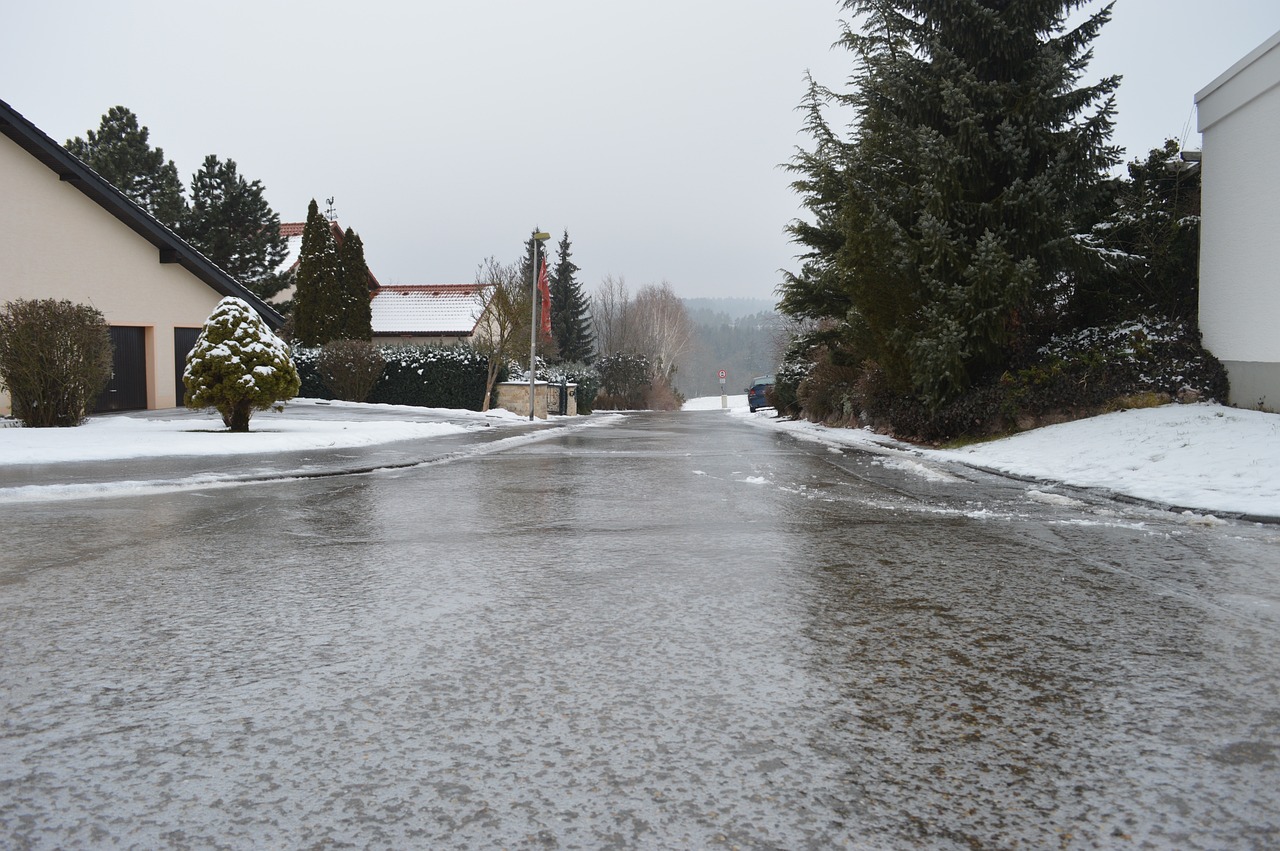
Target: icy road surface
[[668, 631]]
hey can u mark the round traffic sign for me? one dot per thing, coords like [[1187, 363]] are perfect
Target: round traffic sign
[[723, 374]]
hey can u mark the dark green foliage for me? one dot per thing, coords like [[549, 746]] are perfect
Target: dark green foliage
[[1075, 374], [795, 367], [55, 358], [316, 300], [1146, 248], [582, 374], [625, 382], [231, 223], [570, 317], [121, 153], [423, 376], [238, 366], [355, 319], [941, 231], [350, 369]]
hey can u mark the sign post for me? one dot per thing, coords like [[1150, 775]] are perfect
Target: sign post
[[724, 400]]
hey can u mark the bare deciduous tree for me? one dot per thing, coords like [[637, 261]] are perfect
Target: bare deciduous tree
[[662, 326], [609, 307], [503, 329]]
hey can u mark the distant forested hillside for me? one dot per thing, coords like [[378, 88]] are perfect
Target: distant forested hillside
[[705, 310], [742, 336]]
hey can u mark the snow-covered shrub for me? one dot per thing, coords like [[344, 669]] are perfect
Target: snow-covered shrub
[[425, 376], [350, 369], [581, 374], [625, 381], [238, 366], [55, 358], [433, 377]]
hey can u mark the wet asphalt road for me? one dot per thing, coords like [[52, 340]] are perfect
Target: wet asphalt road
[[669, 631]]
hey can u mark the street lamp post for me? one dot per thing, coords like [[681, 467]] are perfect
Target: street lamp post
[[538, 238]]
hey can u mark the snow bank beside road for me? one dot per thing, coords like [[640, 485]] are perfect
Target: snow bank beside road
[[1206, 457], [1209, 458]]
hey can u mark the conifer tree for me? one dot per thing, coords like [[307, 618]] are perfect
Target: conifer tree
[[570, 317], [316, 300], [943, 228], [1147, 246], [238, 366], [231, 223], [121, 153], [355, 321]]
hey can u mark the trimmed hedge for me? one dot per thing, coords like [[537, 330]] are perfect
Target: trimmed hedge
[[423, 376]]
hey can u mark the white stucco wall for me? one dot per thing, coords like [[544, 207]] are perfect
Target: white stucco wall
[[57, 243], [1239, 117]]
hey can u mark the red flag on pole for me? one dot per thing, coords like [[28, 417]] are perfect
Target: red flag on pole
[[544, 298]]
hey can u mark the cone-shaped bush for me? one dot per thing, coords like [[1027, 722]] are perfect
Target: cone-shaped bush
[[238, 366]]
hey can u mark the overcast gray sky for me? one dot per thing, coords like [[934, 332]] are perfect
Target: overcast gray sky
[[447, 131]]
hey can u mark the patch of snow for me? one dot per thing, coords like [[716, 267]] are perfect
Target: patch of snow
[[122, 436], [712, 403]]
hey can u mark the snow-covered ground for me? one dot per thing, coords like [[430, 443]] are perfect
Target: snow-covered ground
[[1209, 458], [1204, 457], [304, 425]]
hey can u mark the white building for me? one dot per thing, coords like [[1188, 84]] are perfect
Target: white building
[[1239, 117]]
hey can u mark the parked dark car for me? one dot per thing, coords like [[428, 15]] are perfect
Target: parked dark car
[[756, 398]]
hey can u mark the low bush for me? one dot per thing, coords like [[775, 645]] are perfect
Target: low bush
[[350, 369], [625, 382], [1128, 364], [55, 358]]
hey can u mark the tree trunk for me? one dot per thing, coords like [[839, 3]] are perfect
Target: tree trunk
[[238, 421]]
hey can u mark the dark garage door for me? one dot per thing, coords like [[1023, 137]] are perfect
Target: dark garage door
[[184, 340], [127, 390]]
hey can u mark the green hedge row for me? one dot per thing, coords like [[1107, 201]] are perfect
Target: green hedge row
[[425, 376]]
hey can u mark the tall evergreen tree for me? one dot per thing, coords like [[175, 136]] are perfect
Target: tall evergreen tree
[[355, 321], [570, 316], [942, 229], [1147, 246], [316, 300], [232, 224], [121, 153]]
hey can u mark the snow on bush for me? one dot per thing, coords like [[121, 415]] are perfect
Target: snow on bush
[[238, 366]]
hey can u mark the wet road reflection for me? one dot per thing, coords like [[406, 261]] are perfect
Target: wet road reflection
[[674, 631]]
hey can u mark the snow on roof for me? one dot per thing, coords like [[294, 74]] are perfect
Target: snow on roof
[[428, 309], [293, 252], [292, 233]]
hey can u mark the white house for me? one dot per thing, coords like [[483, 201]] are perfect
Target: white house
[[66, 233], [1239, 117]]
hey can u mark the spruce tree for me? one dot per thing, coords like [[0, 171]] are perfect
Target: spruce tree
[[316, 300], [1147, 245], [570, 319], [355, 321], [231, 223], [121, 153], [943, 228]]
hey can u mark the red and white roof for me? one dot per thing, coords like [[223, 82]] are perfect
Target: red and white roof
[[445, 310]]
